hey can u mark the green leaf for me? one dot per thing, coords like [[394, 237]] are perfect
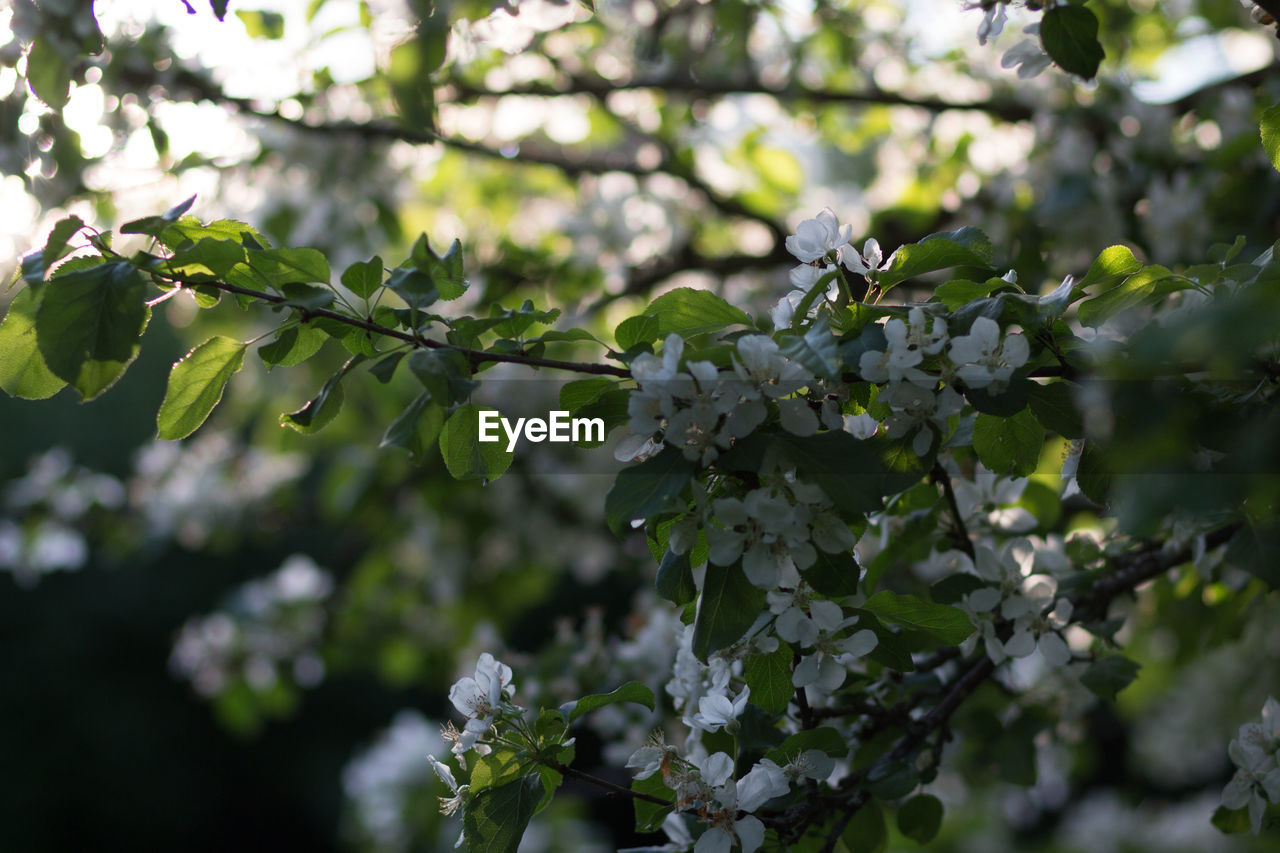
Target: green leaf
[[445, 273], [1112, 265], [497, 768], [891, 650], [848, 470], [1093, 473], [293, 346], [155, 225], [413, 286], [59, 242], [444, 373], [1015, 751], [36, 264], [290, 266], [1107, 676], [817, 350], [769, 677], [960, 291], [411, 86], [188, 228], [920, 818], [416, 428], [308, 297], [1054, 408], [691, 312], [196, 384], [1008, 445], [1270, 129], [363, 277], [941, 621], [495, 819], [834, 575], [88, 325], [262, 25], [324, 407], [823, 738], [48, 74], [649, 816], [891, 780], [675, 579], [728, 607], [866, 831], [967, 246], [1231, 821], [465, 455], [632, 691], [385, 368], [23, 372], [1256, 549], [1134, 290], [641, 329], [581, 392], [952, 588], [647, 489], [207, 259], [1070, 37]]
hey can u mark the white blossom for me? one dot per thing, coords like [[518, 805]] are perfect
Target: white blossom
[[762, 783], [982, 361], [717, 711], [478, 698], [868, 261], [816, 238], [1027, 54]]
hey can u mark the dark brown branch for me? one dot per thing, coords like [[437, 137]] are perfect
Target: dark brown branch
[[1134, 569], [1009, 110], [474, 357], [566, 770], [959, 532]]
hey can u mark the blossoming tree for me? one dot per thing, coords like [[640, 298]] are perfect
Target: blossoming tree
[[896, 500]]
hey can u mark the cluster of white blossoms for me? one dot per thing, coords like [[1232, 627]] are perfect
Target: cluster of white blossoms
[[704, 786], [821, 244], [1256, 753], [1019, 596], [702, 410], [1027, 55], [982, 359]]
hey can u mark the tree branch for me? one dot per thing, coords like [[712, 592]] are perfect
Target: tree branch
[[1134, 569], [1009, 110], [566, 770], [474, 357]]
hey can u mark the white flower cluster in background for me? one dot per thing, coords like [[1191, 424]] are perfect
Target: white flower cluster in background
[[271, 626], [1254, 753], [44, 513], [188, 490]]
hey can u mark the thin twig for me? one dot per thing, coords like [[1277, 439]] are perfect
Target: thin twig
[[566, 770], [473, 356], [959, 532]]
